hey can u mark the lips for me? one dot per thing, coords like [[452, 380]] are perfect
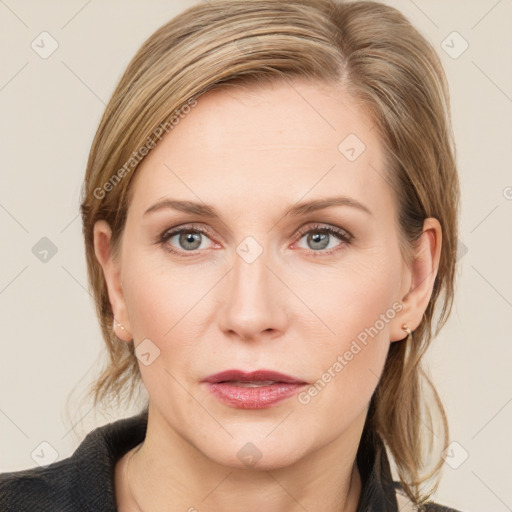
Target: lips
[[252, 390], [256, 376]]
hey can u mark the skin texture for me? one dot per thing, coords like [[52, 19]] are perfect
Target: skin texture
[[251, 153]]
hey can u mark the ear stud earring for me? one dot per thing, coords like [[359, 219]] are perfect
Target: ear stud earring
[[408, 331], [121, 326]]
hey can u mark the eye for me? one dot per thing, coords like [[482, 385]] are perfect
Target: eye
[[322, 238], [184, 239]]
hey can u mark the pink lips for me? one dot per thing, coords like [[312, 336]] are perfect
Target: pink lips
[[253, 390]]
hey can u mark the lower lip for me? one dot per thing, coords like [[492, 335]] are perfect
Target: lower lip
[[254, 397]]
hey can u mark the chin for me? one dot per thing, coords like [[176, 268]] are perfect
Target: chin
[[258, 454]]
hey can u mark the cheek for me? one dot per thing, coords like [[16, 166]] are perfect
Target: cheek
[[158, 294], [352, 296], [359, 307], [162, 306], [167, 304]]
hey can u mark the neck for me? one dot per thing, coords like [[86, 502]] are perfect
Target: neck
[[146, 481]]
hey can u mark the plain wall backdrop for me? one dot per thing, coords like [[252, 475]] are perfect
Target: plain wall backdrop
[[60, 63]]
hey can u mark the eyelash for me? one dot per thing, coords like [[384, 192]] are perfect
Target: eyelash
[[342, 235]]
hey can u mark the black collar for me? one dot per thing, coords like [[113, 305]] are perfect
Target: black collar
[[378, 491]]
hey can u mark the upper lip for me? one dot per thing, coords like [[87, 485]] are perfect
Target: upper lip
[[255, 376]]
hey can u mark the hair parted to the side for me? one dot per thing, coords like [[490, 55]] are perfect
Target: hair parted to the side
[[376, 56]]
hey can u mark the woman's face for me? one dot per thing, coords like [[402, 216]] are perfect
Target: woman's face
[[262, 285]]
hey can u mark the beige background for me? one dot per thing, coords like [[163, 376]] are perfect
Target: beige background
[[50, 109]]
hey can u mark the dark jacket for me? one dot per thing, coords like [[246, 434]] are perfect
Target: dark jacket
[[84, 482]]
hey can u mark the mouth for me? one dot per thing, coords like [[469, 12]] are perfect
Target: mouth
[[252, 390]]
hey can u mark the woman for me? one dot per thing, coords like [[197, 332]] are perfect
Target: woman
[[270, 220]]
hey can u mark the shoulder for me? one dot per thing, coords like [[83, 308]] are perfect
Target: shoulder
[[37, 488], [406, 505], [83, 481]]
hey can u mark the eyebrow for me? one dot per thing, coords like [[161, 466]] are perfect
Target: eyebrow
[[303, 208]]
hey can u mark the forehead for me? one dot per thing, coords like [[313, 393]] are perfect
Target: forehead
[[277, 142]]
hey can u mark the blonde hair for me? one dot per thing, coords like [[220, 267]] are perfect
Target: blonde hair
[[380, 59]]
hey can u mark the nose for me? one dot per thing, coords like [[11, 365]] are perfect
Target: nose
[[254, 301]]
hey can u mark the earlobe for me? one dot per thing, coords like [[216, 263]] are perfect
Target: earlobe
[[407, 334], [112, 275], [123, 334], [400, 330]]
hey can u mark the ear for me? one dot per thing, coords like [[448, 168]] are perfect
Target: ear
[[112, 273], [419, 279]]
